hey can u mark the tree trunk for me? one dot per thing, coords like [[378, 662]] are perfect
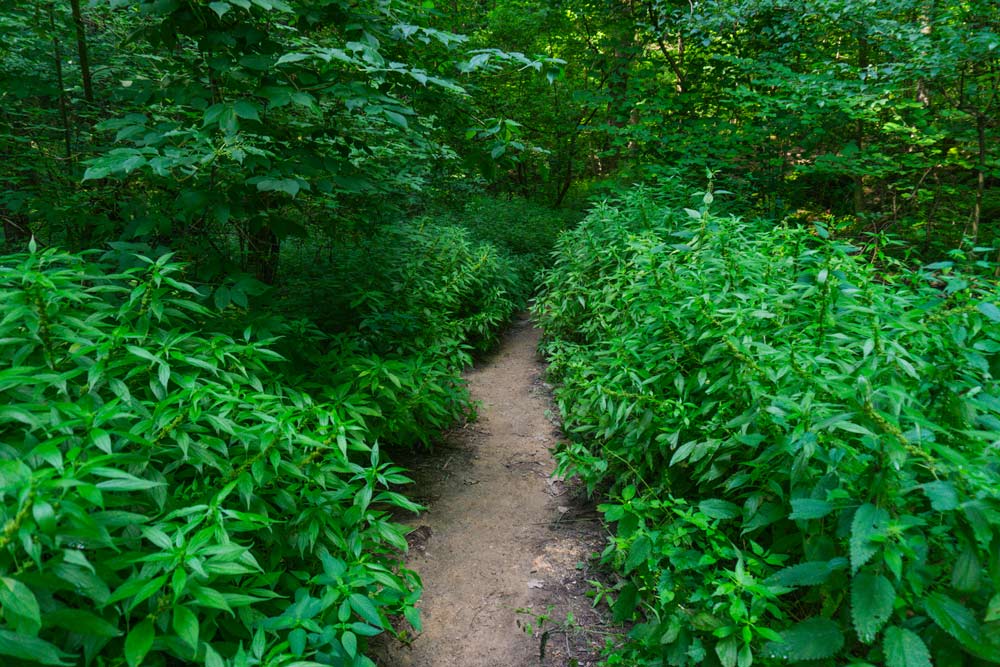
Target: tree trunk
[[567, 180], [57, 58], [81, 47], [926, 28], [977, 209], [263, 249], [859, 179]]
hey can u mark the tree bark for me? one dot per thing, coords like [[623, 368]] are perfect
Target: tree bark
[[977, 209], [926, 29], [676, 65], [81, 47], [859, 179], [263, 249], [567, 180], [57, 58]]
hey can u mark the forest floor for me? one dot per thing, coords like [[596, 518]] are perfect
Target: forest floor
[[502, 544]]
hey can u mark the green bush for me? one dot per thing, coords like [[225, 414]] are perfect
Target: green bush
[[167, 496], [436, 286], [420, 285], [801, 448], [525, 229], [402, 313]]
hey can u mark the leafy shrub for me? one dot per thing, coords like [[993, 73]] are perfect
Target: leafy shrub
[[316, 277], [401, 312], [436, 286], [525, 229], [402, 399], [167, 497], [415, 286], [802, 450]]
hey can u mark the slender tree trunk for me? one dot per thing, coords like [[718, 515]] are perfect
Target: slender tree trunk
[[633, 121], [680, 54], [57, 58], [859, 179], [263, 248], [618, 89], [926, 29], [977, 209], [567, 180], [81, 47], [676, 64]]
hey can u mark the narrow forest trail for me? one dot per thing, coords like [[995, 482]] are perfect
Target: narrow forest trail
[[500, 535]]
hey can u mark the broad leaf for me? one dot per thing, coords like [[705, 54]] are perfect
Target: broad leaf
[[809, 508], [942, 495], [904, 649], [220, 8], [185, 624], [81, 622], [287, 185], [965, 576], [811, 573], [20, 606], [990, 311], [247, 110], [138, 642], [720, 509], [32, 649], [728, 651], [872, 598], [813, 639], [869, 521], [638, 553], [953, 617], [365, 609]]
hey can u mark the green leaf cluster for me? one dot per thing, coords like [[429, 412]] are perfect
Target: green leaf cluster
[[799, 446], [170, 494], [440, 286]]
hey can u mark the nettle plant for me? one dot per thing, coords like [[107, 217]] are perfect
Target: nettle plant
[[801, 448], [167, 498], [437, 288]]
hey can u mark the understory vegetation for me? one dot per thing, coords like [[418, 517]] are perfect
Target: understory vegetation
[[799, 444], [185, 483], [247, 248]]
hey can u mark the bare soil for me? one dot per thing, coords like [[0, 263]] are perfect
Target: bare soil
[[502, 545]]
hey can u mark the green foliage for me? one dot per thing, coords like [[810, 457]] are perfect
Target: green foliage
[[880, 113], [226, 127], [800, 447], [276, 112], [903, 648], [428, 286], [526, 230], [169, 495], [437, 286]]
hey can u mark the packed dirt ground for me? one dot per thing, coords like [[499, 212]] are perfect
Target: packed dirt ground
[[504, 550]]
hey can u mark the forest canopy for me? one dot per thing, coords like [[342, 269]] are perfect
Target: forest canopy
[[252, 122]]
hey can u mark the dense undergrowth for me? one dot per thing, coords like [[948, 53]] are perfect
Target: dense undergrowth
[[801, 448], [456, 259], [180, 485]]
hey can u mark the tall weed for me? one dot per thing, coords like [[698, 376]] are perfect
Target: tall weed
[[436, 286], [801, 450], [168, 496], [415, 286]]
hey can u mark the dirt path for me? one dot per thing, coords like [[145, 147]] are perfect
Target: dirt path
[[499, 535]]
